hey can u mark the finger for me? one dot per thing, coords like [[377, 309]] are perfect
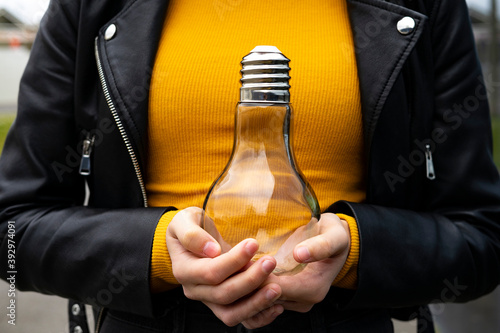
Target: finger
[[333, 240], [212, 271], [185, 227], [236, 286], [249, 307], [264, 317], [309, 286]]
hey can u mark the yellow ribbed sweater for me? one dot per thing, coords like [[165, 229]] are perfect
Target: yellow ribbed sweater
[[195, 88]]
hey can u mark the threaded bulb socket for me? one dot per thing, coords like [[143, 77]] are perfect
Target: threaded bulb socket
[[265, 76]]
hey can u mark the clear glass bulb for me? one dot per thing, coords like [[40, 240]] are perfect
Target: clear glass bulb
[[261, 193]]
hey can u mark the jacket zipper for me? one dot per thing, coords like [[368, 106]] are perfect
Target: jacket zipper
[[88, 144], [119, 124], [430, 163], [98, 321]]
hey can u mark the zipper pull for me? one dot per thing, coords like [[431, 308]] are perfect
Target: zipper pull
[[88, 144], [430, 164]]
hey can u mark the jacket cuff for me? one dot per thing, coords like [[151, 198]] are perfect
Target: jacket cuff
[[348, 276], [162, 277]]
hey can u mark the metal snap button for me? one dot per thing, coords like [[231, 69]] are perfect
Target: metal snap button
[[406, 25], [75, 309], [77, 329], [110, 32]]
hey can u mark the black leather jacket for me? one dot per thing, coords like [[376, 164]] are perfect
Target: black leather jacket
[[425, 115]]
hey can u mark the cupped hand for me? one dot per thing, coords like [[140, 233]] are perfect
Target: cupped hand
[[228, 283], [325, 255]]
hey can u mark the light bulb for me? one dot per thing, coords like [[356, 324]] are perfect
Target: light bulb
[[261, 193]]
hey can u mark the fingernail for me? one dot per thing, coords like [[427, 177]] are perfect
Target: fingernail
[[210, 249], [303, 254], [251, 248], [271, 294], [268, 266], [277, 311]]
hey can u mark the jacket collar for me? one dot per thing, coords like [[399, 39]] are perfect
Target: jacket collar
[[381, 51], [128, 58]]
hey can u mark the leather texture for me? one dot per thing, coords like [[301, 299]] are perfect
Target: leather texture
[[421, 240]]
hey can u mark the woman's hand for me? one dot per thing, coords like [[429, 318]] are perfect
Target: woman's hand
[[229, 284], [325, 254]]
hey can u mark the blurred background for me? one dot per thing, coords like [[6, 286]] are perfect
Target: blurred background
[[47, 314]]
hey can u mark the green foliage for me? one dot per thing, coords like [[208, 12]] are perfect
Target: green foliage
[[5, 122]]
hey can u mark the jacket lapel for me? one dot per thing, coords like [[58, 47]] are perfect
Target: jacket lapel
[[381, 51], [127, 59]]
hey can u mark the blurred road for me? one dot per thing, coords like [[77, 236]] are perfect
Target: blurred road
[[481, 315], [12, 63], [34, 312]]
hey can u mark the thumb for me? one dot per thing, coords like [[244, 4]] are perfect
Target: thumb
[[186, 228], [334, 239]]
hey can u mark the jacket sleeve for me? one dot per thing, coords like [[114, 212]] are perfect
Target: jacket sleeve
[[449, 251], [97, 256]]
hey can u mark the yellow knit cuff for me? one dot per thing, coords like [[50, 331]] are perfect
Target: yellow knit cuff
[[162, 278], [348, 276]]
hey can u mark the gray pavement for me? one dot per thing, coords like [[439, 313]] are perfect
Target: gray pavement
[[481, 315], [8, 108], [34, 312], [12, 64]]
